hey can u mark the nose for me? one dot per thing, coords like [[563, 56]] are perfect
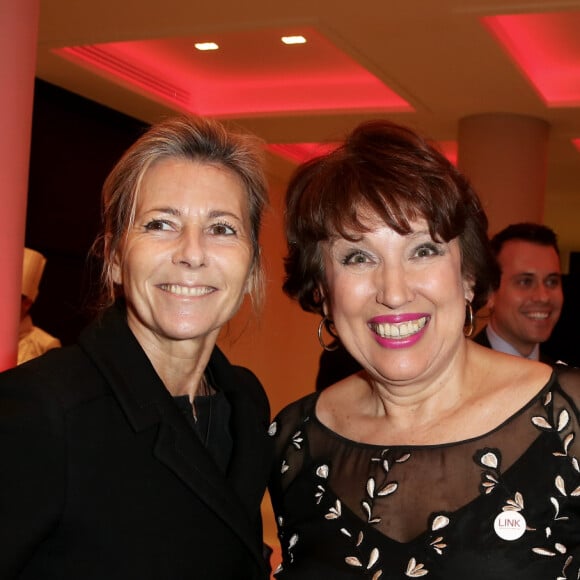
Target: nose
[[190, 248], [542, 293], [393, 286]]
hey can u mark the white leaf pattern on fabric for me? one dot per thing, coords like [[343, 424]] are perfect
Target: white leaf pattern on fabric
[[490, 460], [352, 527], [415, 570], [439, 523]]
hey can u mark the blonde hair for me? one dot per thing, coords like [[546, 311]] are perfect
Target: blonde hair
[[190, 138]]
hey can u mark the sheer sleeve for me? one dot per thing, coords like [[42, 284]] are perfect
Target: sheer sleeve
[[290, 443], [565, 415]]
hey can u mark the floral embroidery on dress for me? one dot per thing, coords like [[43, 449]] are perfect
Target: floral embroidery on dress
[[367, 563], [297, 439], [439, 522], [349, 516], [561, 423], [415, 569], [364, 559], [490, 459]]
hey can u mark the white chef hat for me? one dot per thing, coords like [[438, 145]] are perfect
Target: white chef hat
[[32, 269]]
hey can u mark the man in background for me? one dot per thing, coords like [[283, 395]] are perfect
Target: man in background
[[32, 341], [528, 302]]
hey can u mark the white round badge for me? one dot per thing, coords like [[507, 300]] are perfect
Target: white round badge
[[510, 525]]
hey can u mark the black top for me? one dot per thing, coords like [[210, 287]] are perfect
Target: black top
[[351, 510], [211, 424], [103, 477]]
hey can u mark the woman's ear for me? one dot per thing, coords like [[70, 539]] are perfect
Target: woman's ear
[[468, 284], [255, 283], [323, 301], [117, 270]]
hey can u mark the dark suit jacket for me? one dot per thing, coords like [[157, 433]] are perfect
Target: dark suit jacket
[[481, 338], [101, 477]]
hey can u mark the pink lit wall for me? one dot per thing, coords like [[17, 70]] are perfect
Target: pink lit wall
[[18, 38]]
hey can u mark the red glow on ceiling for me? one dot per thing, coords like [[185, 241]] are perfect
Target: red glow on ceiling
[[449, 149], [576, 143], [547, 49], [302, 152], [252, 73]]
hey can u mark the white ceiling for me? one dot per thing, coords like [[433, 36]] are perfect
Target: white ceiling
[[433, 53]]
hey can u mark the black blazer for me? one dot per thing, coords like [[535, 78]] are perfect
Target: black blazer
[[101, 477], [481, 338]]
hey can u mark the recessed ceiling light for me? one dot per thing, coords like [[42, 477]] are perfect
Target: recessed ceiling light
[[298, 39], [206, 46]]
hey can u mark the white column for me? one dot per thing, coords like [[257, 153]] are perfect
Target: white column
[[18, 41]]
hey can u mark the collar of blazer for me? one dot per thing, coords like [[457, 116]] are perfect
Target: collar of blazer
[[236, 496]]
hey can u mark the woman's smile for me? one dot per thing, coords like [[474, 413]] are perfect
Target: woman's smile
[[188, 291], [399, 329]]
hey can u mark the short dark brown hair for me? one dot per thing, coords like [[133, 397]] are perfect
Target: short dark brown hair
[[527, 232], [400, 176]]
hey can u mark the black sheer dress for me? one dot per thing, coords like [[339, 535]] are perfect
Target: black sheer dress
[[505, 505]]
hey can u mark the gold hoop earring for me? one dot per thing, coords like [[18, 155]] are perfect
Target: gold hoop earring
[[326, 323], [469, 325]]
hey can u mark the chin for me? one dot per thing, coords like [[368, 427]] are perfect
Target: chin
[[399, 374]]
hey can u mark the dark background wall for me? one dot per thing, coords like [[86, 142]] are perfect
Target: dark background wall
[[564, 344], [75, 143]]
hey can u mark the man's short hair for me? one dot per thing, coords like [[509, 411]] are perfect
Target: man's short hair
[[527, 232]]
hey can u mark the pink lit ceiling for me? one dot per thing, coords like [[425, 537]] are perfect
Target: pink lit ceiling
[[251, 73], [301, 152], [449, 149], [547, 49]]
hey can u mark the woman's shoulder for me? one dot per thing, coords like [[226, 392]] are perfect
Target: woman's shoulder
[[253, 387], [568, 379], [532, 379], [299, 407], [53, 365], [293, 415], [496, 372], [240, 379], [62, 376], [289, 427]]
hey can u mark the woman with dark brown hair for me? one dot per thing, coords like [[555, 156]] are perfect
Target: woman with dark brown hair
[[440, 458]]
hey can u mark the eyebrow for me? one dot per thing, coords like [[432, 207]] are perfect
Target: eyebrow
[[215, 213], [419, 233], [533, 274], [363, 235]]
